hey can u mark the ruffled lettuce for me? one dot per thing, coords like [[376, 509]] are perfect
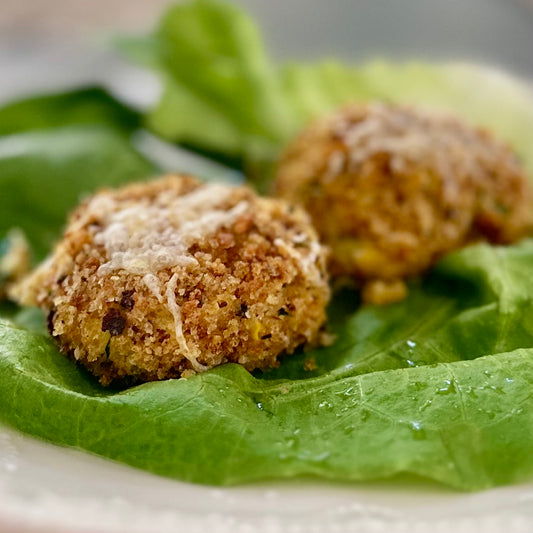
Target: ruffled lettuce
[[224, 94]]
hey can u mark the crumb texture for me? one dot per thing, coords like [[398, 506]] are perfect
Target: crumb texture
[[391, 189], [166, 278]]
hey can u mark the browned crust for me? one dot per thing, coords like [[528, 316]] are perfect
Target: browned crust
[[389, 208], [245, 300]]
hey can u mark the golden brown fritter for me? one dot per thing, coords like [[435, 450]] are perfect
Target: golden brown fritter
[[171, 277], [391, 189]]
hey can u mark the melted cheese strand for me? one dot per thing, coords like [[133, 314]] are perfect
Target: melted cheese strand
[[175, 310]]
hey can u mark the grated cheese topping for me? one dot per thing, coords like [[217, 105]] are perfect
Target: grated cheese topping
[[407, 136], [148, 237], [152, 235], [306, 256]]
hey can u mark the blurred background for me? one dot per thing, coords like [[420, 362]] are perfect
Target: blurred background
[[47, 44]]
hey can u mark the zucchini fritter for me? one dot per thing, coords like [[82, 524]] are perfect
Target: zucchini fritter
[[392, 189], [167, 278]]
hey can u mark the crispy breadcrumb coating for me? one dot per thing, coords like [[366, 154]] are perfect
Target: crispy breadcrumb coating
[[391, 189], [166, 278]]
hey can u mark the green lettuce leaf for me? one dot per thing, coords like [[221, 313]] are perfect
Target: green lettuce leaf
[[483, 96], [224, 94], [91, 105], [44, 174], [437, 386]]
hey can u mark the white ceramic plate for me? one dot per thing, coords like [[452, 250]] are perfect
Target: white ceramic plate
[[48, 489]]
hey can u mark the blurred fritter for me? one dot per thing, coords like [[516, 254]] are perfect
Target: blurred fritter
[[15, 260], [391, 189], [171, 277]]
